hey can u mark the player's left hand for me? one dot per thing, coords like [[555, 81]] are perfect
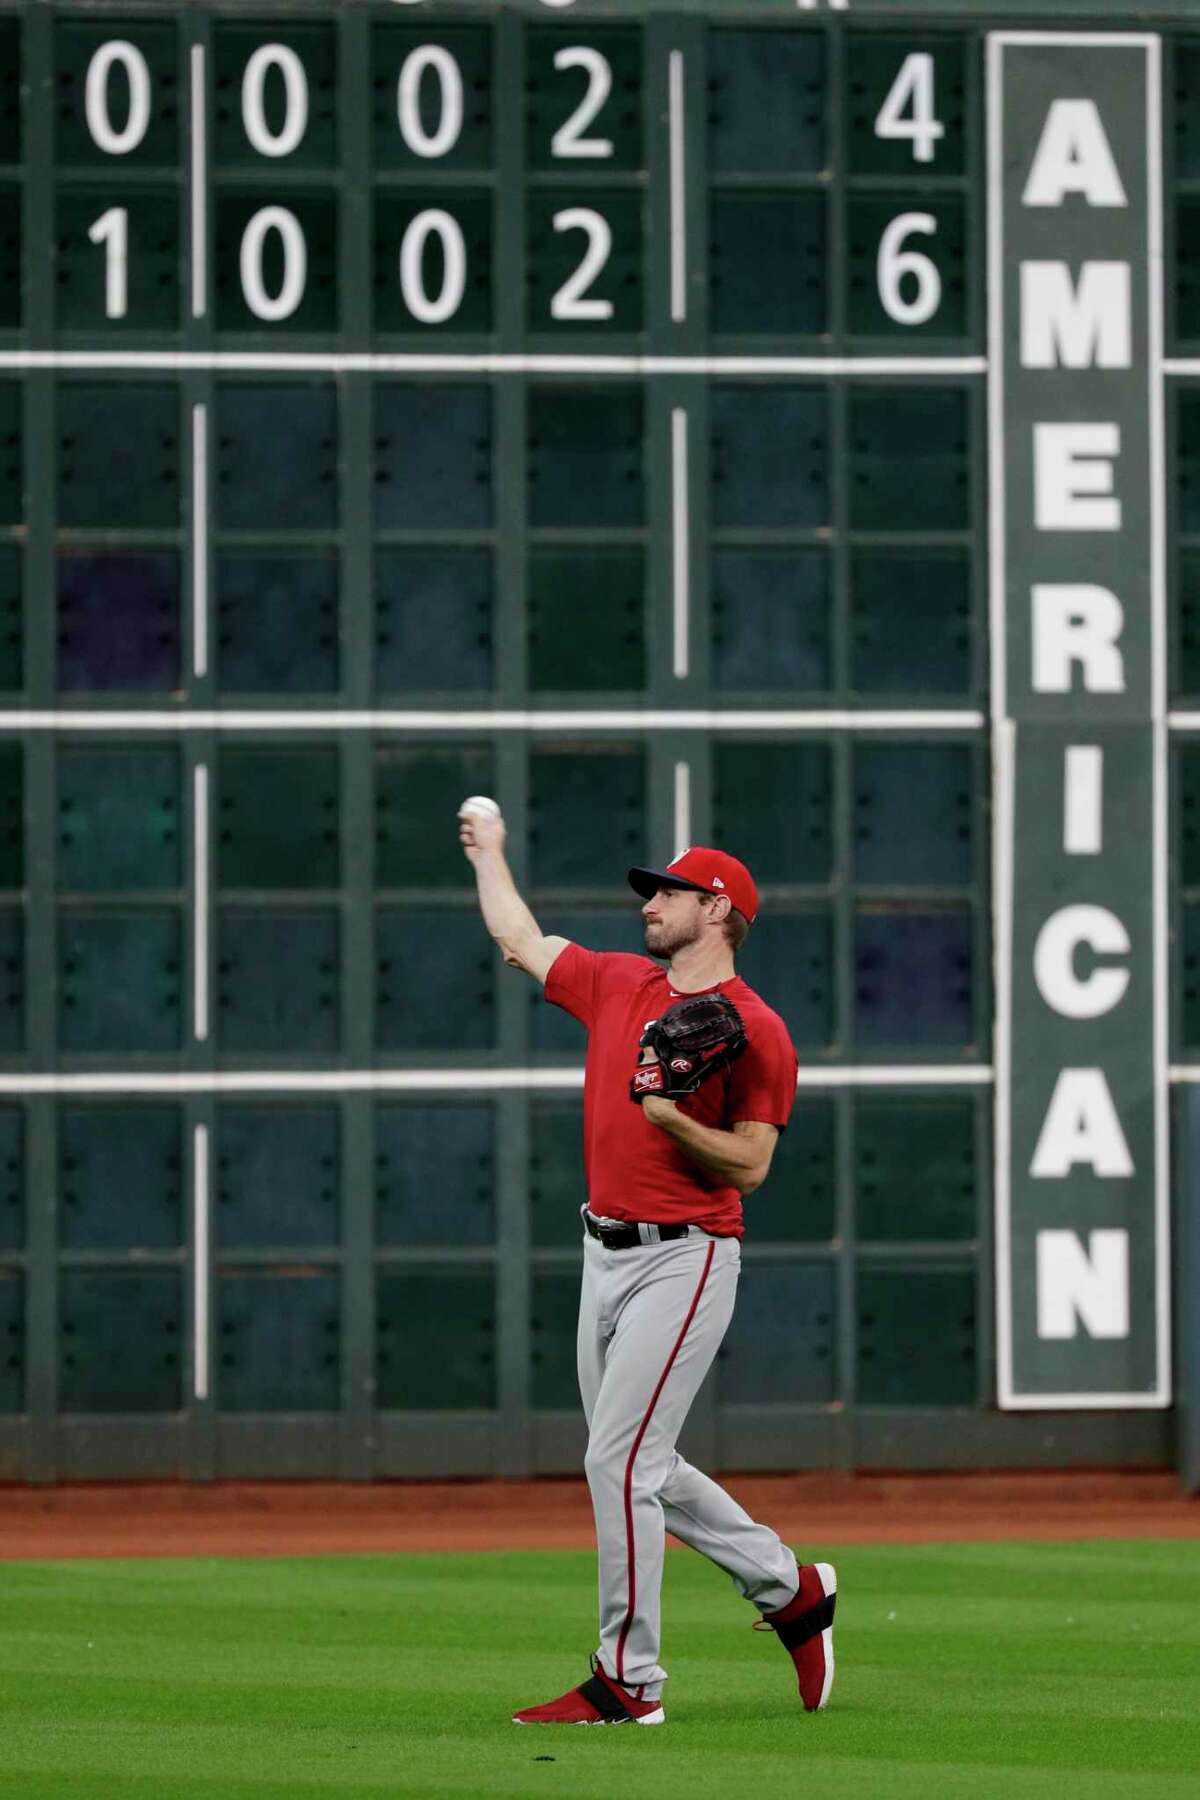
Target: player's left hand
[[657, 1108]]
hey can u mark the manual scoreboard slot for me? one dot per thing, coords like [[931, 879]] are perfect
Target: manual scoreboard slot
[[771, 621], [11, 284], [434, 620], [277, 626], [274, 97], [12, 1203], [444, 1152]]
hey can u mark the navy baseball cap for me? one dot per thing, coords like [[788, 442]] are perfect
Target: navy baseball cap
[[708, 871]]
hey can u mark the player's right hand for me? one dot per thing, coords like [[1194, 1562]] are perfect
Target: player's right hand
[[478, 832]]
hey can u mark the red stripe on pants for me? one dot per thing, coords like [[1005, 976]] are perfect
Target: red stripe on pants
[[637, 1444]]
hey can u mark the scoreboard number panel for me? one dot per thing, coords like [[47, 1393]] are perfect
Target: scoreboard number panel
[[907, 227], [886, 180]]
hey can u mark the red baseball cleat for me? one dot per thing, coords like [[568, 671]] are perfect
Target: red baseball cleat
[[599, 1701], [805, 1627]]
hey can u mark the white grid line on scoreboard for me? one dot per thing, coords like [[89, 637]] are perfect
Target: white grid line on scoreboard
[[200, 830], [442, 1081], [671, 719], [201, 1300], [464, 1081], [198, 195], [683, 807], [417, 362], [200, 539], [681, 573], [334, 362], [678, 185]]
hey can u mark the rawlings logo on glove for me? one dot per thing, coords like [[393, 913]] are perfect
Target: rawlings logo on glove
[[691, 1041]]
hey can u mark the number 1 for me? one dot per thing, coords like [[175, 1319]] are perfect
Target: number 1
[[112, 230]]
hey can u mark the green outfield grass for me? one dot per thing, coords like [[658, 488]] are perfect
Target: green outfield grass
[[980, 1671]]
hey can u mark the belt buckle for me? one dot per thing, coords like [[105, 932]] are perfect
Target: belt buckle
[[609, 1235]]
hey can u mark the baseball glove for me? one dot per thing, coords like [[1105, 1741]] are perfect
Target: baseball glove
[[691, 1041]]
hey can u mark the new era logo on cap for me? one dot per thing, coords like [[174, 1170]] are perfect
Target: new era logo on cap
[[705, 869]]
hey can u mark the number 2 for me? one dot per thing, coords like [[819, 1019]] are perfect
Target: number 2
[[569, 140], [913, 87], [569, 302]]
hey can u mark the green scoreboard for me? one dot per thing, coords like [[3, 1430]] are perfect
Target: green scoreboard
[[763, 422]]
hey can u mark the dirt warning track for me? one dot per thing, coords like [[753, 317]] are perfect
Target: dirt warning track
[[320, 1518]]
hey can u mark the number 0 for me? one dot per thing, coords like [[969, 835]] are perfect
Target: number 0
[[408, 101], [295, 89], [433, 309], [95, 97], [295, 264]]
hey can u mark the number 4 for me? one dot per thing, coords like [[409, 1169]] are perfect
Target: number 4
[[913, 87]]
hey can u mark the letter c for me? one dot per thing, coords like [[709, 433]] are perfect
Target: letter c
[[1054, 961]]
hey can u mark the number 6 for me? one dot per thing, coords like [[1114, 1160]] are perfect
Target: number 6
[[893, 264]]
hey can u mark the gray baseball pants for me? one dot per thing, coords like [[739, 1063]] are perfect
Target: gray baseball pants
[[651, 1320]]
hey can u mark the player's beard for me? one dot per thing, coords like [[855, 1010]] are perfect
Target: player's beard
[[662, 943]]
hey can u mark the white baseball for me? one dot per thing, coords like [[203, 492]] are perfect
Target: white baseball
[[479, 803]]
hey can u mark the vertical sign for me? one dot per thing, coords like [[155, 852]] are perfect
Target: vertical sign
[[1078, 713]]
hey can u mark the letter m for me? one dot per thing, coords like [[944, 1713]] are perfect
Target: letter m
[[1084, 327]]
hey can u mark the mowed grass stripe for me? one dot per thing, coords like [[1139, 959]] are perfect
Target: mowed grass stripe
[[993, 1670]]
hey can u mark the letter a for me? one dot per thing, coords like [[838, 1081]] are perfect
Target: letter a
[[1081, 1126], [1073, 157]]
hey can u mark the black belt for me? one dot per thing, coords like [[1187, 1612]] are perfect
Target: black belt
[[627, 1237]]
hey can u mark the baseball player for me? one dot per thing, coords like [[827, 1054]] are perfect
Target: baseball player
[[689, 1080]]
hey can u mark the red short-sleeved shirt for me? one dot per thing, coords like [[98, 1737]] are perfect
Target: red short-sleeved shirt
[[634, 1169]]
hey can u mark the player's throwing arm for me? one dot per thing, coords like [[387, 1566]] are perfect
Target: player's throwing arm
[[482, 835]]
